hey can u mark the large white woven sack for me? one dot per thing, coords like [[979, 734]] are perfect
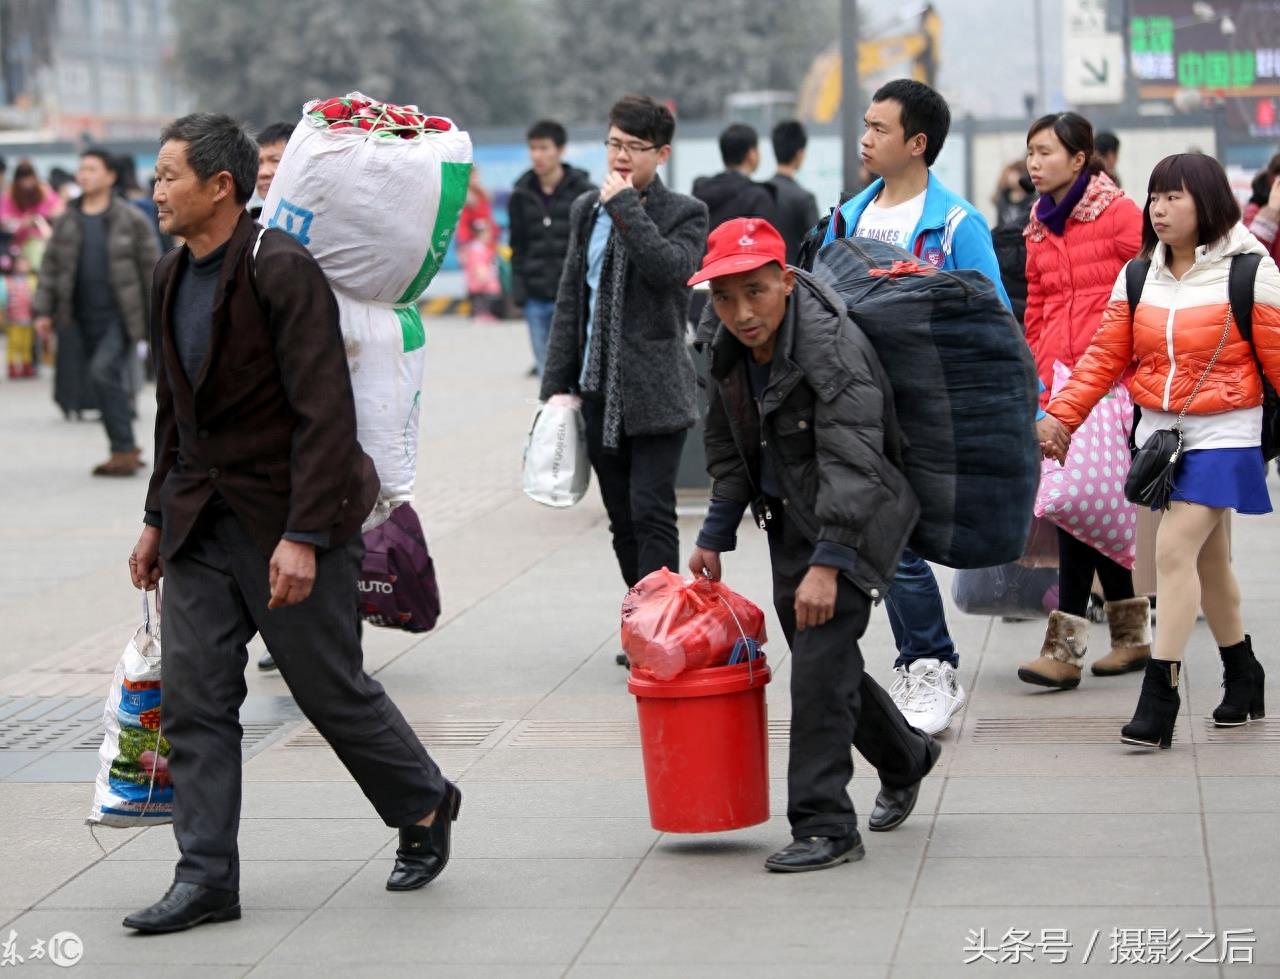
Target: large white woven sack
[[386, 353], [378, 214]]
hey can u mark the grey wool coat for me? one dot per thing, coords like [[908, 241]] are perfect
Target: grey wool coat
[[664, 235]]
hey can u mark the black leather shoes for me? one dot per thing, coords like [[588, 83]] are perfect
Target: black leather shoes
[[267, 662], [893, 806], [185, 906], [816, 853], [424, 850]]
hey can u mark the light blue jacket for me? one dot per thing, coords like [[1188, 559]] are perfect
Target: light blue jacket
[[952, 234]]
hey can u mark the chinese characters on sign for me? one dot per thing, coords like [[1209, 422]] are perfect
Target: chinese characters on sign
[[1123, 946], [1223, 55], [1152, 58]]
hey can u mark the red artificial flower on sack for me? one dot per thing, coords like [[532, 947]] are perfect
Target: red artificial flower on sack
[[331, 109], [371, 116], [670, 625]]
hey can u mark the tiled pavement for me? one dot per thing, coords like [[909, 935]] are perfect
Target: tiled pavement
[[1040, 826]]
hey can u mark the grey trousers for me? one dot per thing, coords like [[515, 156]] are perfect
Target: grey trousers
[[215, 600]]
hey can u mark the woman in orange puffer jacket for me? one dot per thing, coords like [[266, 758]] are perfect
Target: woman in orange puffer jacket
[[1083, 230], [1189, 353]]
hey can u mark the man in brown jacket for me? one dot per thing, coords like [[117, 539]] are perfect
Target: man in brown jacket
[[253, 519], [95, 282]]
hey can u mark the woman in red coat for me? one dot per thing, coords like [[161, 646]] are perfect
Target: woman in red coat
[[477, 238], [1082, 231]]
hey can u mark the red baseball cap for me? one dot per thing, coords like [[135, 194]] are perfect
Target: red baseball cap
[[741, 245]]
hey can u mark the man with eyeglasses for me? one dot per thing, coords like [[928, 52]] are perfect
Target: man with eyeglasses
[[617, 343]]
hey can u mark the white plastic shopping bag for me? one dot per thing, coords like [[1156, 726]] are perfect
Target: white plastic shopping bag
[[133, 786], [556, 469]]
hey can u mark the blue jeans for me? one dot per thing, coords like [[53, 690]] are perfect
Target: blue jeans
[[539, 313], [916, 615]]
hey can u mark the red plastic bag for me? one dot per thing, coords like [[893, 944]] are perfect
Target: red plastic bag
[[670, 625]]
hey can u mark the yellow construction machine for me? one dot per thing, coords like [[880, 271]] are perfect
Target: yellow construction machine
[[819, 99]]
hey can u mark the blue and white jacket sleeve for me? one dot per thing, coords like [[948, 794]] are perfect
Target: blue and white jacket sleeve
[[972, 249]]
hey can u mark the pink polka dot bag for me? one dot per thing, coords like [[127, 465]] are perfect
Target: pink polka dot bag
[[1085, 497]]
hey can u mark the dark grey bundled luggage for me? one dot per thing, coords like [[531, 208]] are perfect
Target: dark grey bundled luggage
[[1013, 591], [965, 389]]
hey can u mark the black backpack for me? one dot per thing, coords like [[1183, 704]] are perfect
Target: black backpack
[[812, 242], [1011, 255], [1244, 270]]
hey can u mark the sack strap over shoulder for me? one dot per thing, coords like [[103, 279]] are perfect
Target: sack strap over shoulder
[[253, 265]]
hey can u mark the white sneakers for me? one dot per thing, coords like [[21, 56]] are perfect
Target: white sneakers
[[928, 694]]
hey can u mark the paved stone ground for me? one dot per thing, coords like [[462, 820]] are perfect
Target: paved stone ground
[[1044, 825]]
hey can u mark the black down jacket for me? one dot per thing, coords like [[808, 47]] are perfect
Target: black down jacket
[[731, 194], [827, 420], [539, 231]]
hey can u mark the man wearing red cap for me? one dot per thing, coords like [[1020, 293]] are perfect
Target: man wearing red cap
[[802, 429]]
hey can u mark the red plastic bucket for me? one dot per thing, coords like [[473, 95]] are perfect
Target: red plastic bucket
[[705, 736]]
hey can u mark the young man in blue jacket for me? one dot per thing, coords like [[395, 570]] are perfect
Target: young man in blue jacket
[[909, 207]]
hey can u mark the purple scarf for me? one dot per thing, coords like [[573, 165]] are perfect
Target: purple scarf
[[1054, 216]]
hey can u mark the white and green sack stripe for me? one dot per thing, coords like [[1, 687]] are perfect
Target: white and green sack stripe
[[454, 178], [411, 328]]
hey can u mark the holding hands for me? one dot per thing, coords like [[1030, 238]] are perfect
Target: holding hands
[[1055, 440]]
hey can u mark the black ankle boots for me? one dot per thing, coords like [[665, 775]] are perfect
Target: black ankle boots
[[1242, 686], [1157, 711]]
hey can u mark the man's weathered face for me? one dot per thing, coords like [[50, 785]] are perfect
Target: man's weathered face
[[268, 162], [752, 305], [184, 202]]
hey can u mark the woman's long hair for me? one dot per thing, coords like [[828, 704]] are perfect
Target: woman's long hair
[[26, 190]]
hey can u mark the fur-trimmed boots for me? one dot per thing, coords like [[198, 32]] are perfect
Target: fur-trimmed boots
[[1061, 658], [1130, 622]]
